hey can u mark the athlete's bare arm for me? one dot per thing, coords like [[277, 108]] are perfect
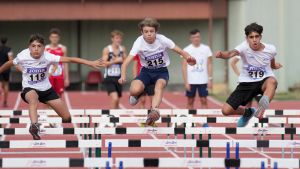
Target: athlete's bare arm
[[234, 67], [226, 54], [66, 68], [275, 65], [124, 68], [96, 64], [6, 66], [134, 69], [184, 75], [209, 71], [190, 59]]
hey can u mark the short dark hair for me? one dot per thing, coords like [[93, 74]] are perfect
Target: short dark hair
[[54, 31], [151, 22], [3, 40], [253, 27], [194, 31], [37, 37]]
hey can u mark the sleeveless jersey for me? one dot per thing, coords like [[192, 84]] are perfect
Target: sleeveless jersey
[[59, 52], [113, 70]]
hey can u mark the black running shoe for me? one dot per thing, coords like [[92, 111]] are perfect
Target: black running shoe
[[152, 117], [34, 130]]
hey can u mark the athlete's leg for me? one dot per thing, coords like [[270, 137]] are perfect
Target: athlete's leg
[[5, 87], [269, 87], [158, 92], [136, 88], [60, 108], [190, 102], [227, 110], [203, 101], [32, 99], [114, 100], [142, 102]]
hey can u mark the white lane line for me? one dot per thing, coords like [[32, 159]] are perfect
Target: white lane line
[[227, 136], [68, 103]]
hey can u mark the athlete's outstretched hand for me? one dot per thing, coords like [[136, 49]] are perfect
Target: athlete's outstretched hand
[[122, 80], [191, 60], [96, 64], [218, 54], [277, 66]]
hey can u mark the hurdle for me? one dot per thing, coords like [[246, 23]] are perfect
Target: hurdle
[[155, 130], [212, 112], [53, 162], [274, 120], [189, 162], [26, 120], [211, 143], [73, 112], [33, 144]]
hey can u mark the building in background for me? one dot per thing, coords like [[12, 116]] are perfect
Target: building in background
[[86, 25]]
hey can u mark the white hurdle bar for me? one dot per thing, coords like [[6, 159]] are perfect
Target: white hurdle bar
[[212, 143], [77, 112], [216, 112], [53, 162], [273, 120], [26, 120], [187, 162], [51, 144], [154, 130], [73, 112]]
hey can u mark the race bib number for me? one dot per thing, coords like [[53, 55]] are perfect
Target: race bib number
[[256, 72], [114, 70], [155, 61], [36, 75], [58, 70]]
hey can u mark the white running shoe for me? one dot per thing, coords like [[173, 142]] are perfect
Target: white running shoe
[[133, 100]]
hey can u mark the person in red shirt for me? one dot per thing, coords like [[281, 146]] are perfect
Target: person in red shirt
[[149, 90], [59, 74]]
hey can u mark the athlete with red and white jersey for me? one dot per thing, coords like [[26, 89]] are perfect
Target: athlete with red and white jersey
[[59, 73]]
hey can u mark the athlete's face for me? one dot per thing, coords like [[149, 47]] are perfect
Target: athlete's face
[[253, 40], [149, 34], [36, 49], [117, 40], [195, 39], [54, 38]]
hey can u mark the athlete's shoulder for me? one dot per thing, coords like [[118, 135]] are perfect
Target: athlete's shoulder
[[24, 53], [270, 47], [47, 47], [63, 47], [188, 47]]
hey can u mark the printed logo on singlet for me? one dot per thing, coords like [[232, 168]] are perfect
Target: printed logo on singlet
[[256, 72], [198, 67], [36, 75], [155, 61]]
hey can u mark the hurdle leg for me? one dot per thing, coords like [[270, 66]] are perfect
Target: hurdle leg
[[193, 137], [209, 148], [292, 138], [200, 148], [184, 137], [282, 138]]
